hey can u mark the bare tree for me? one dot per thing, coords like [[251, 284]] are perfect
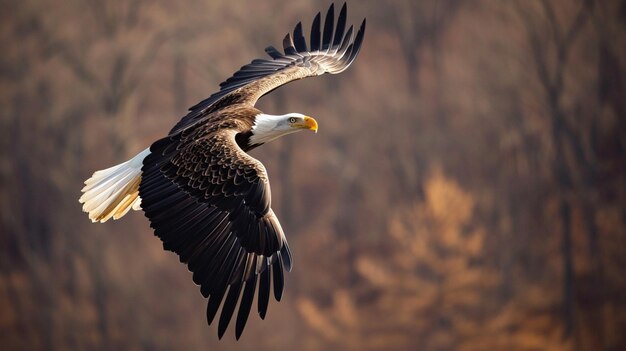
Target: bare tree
[[550, 55], [114, 84], [416, 25]]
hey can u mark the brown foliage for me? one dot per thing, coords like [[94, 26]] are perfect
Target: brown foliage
[[466, 190]]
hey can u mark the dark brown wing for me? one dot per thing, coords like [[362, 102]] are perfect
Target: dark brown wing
[[209, 202], [331, 51]]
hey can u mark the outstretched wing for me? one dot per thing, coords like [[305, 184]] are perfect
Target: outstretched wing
[[209, 202], [331, 51]]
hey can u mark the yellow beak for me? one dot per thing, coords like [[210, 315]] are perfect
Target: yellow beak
[[310, 123]]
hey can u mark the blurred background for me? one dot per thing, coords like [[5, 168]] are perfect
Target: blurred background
[[466, 190]]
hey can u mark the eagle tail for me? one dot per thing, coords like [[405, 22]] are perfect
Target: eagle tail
[[112, 192]]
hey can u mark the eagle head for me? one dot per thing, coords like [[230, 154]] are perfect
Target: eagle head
[[269, 127]]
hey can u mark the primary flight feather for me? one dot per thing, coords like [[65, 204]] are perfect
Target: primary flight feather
[[207, 199]]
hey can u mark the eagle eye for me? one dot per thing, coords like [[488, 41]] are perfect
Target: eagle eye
[[292, 120]]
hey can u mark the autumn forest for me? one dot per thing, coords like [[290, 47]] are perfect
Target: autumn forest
[[466, 189]]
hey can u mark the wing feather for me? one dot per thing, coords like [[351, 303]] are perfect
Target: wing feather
[[264, 290], [316, 35], [329, 24], [246, 304], [273, 52], [229, 307], [289, 46], [341, 25], [279, 278], [298, 38]]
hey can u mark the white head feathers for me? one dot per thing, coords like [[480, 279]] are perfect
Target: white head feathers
[[269, 127]]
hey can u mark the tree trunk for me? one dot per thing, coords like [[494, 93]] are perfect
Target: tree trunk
[[569, 308]]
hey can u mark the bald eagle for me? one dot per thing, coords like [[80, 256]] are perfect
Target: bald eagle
[[206, 198]]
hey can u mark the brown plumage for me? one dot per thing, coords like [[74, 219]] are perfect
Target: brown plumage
[[207, 199]]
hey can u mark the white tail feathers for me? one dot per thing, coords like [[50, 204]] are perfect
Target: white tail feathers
[[112, 192]]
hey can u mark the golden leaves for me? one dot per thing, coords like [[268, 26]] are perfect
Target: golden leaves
[[431, 274]]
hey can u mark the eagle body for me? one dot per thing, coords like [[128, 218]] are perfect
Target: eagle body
[[206, 198]]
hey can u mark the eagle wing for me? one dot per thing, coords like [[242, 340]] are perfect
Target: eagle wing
[[331, 51], [210, 203]]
